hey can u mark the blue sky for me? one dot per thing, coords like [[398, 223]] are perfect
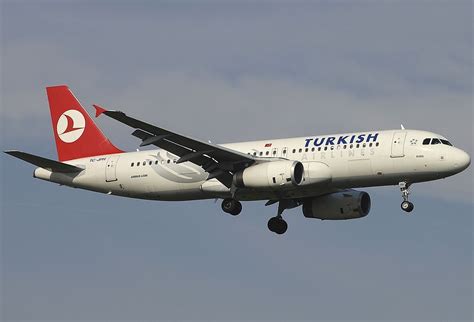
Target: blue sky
[[233, 71]]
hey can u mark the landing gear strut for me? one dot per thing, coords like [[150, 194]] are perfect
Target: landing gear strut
[[406, 205], [231, 206]]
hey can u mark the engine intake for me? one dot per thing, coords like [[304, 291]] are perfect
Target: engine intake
[[271, 175], [338, 206]]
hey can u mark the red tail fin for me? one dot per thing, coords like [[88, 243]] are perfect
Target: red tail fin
[[76, 134]]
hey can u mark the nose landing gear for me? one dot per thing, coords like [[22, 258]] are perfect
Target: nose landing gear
[[406, 205]]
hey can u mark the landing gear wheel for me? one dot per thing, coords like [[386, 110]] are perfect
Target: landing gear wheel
[[277, 225], [231, 206], [407, 206]]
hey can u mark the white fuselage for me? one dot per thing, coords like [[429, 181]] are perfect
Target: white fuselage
[[353, 160]]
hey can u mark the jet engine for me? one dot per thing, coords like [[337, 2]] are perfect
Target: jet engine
[[273, 175], [348, 204]]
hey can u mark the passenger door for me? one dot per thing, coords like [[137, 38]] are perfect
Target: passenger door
[[398, 144]]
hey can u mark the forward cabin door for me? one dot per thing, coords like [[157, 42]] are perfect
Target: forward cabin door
[[398, 144], [111, 168]]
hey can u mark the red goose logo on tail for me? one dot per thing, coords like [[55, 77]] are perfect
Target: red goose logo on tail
[[70, 126]]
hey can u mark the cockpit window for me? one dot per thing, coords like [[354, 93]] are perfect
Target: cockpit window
[[446, 142], [426, 141], [435, 141]]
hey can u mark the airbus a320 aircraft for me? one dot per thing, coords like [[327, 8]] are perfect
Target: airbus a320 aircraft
[[315, 172]]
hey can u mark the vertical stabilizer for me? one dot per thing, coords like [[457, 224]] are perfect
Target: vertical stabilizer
[[76, 135]]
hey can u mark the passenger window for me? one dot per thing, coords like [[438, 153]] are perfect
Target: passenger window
[[261, 153], [132, 164], [168, 161], [306, 150], [294, 151], [255, 153], [284, 151], [267, 153], [370, 145], [377, 144], [312, 149], [363, 145], [274, 152], [344, 147], [319, 149], [144, 162], [332, 147], [426, 141], [150, 163], [325, 148], [300, 150], [138, 164], [357, 146], [435, 141], [156, 162]]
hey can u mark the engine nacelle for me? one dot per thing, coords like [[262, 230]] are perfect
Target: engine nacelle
[[316, 174], [338, 206], [273, 175]]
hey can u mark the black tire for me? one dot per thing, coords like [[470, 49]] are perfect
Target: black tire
[[277, 225], [237, 209], [231, 206]]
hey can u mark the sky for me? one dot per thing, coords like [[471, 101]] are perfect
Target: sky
[[232, 71]]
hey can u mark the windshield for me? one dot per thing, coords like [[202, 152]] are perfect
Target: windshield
[[432, 141]]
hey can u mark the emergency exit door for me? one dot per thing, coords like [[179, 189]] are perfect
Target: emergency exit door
[[111, 168], [398, 144]]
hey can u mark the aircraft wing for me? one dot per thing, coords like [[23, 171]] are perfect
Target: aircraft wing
[[221, 163]]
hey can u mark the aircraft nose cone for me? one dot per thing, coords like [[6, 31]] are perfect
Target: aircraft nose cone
[[462, 161]]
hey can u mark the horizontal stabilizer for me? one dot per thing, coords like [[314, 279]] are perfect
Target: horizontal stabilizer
[[48, 164]]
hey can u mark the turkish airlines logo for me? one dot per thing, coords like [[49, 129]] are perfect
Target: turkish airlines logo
[[70, 126]]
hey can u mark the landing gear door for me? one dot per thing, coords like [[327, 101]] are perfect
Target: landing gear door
[[111, 168], [398, 144]]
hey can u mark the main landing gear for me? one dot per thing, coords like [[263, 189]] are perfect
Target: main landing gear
[[231, 206], [277, 224], [406, 205]]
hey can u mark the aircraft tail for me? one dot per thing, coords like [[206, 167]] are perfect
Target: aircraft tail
[[76, 135]]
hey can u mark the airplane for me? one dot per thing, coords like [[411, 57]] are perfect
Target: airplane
[[319, 173]]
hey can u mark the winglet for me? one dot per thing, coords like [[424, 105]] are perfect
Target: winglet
[[401, 125], [98, 110]]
